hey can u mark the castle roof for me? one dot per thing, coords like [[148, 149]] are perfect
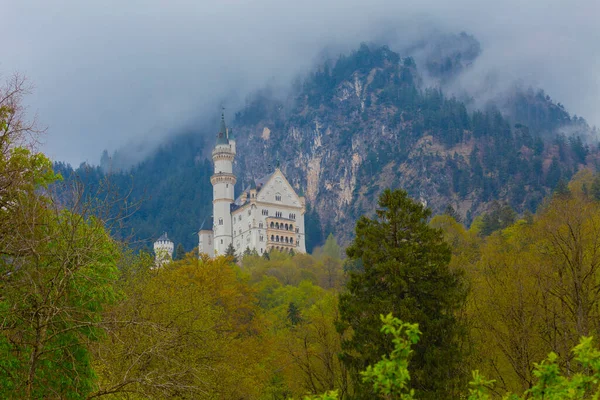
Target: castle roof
[[207, 224], [222, 134], [254, 184], [163, 238]]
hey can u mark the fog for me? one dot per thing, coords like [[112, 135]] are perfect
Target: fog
[[111, 73]]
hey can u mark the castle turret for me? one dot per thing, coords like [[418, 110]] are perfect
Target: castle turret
[[163, 250], [223, 182]]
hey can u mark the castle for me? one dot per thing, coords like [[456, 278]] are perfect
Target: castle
[[267, 215]]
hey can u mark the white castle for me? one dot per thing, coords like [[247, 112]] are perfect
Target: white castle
[[267, 215]]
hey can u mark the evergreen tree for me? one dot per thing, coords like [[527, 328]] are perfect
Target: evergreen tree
[[179, 252], [231, 252], [293, 314], [331, 248], [405, 272]]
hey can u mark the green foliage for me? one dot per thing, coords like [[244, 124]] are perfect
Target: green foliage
[[406, 273], [390, 376]]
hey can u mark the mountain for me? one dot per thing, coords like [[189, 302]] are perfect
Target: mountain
[[359, 124]]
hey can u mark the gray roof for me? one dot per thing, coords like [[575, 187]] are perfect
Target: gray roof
[[207, 224], [254, 184], [222, 134], [164, 237]]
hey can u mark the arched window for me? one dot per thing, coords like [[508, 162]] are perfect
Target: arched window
[[286, 240], [272, 224], [277, 225], [277, 238], [286, 227], [291, 227], [220, 221], [260, 225], [272, 238]]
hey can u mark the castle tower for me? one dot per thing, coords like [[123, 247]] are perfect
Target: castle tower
[[163, 250], [223, 182]]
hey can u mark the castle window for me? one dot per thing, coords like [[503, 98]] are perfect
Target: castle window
[[261, 238], [291, 227], [240, 217], [227, 185], [277, 197], [265, 212], [260, 225], [297, 230], [220, 221], [221, 241], [272, 238], [292, 216], [261, 250]]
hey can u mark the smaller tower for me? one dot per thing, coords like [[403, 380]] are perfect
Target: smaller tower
[[163, 250]]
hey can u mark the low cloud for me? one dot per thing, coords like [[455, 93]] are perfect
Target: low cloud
[[111, 73]]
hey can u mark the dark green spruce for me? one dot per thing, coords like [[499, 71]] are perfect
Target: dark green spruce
[[404, 271]]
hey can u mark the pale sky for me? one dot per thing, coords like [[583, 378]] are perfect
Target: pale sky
[[107, 73]]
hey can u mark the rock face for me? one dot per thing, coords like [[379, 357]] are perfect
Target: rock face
[[364, 123]]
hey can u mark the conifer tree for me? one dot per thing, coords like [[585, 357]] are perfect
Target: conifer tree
[[179, 252], [404, 271], [231, 252]]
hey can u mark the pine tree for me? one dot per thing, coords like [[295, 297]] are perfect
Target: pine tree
[[179, 252], [230, 252], [293, 314], [404, 272]]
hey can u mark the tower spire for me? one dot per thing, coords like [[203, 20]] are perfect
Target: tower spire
[[222, 135]]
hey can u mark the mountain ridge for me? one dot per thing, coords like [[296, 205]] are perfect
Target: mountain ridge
[[367, 121]]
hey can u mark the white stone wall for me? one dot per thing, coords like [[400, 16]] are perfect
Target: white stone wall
[[163, 251], [206, 242]]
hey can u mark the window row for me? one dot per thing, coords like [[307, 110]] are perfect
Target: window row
[[284, 239], [287, 227]]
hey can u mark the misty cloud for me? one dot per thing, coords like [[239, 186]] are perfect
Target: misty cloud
[[110, 73]]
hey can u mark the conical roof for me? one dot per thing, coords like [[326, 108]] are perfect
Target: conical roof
[[222, 135]]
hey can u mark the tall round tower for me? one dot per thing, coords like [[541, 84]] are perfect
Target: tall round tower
[[223, 182]]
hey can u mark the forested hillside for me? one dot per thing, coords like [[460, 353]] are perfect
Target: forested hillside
[[361, 123]]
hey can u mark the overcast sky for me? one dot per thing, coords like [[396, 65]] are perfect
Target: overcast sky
[[109, 72]]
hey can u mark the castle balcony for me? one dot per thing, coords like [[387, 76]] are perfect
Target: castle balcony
[[281, 224], [223, 177], [223, 151], [283, 240]]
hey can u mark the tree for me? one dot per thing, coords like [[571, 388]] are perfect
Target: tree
[[57, 270], [230, 252], [179, 252], [293, 314], [405, 272]]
